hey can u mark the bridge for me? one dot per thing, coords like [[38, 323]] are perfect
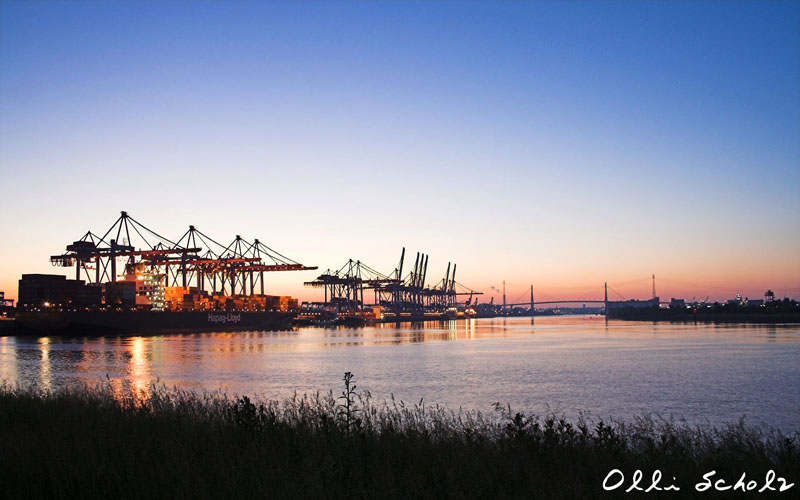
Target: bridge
[[532, 303], [549, 302]]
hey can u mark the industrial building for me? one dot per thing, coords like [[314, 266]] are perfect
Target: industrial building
[[49, 290]]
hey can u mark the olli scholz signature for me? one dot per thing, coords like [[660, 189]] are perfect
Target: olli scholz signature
[[616, 479]]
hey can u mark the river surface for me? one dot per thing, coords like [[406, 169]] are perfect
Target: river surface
[[706, 373]]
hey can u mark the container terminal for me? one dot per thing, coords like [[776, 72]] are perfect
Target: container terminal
[[356, 293], [133, 279]]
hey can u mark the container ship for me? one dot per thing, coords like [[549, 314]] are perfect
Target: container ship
[[193, 284], [110, 322]]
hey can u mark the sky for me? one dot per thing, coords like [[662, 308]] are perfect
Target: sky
[[559, 144]]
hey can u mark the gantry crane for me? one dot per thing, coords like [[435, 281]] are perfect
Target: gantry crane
[[344, 288], [194, 260]]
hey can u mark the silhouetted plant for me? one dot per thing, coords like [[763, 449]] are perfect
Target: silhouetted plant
[[244, 413], [348, 408]]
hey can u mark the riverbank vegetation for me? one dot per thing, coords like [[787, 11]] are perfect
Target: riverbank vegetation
[[169, 443]]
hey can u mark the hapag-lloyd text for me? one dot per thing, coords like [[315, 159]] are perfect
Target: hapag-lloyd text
[[224, 318]]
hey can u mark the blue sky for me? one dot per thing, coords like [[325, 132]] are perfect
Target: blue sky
[[562, 144]]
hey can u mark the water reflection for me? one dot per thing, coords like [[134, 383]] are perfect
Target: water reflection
[[139, 367], [44, 365], [571, 363], [8, 359]]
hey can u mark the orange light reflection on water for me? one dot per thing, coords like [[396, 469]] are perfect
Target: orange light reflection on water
[[139, 367], [44, 366]]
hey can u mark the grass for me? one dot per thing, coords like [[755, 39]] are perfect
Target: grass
[[91, 442]]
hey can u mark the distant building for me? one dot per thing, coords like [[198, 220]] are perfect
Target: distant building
[[633, 304], [6, 305], [755, 303], [49, 290], [677, 303]]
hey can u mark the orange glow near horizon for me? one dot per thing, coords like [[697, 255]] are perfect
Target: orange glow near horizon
[[684, 284], [565, 262]]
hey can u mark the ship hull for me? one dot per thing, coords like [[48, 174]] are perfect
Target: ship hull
[[102, 322]]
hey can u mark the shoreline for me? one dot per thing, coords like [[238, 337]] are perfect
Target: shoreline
[[742, 318], [10, 328]]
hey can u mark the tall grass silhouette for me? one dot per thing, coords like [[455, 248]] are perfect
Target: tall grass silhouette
[[94, 442]]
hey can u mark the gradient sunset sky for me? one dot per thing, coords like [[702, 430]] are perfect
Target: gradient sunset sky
[[560, 144]]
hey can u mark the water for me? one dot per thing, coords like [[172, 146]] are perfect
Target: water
[[566, 365]]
